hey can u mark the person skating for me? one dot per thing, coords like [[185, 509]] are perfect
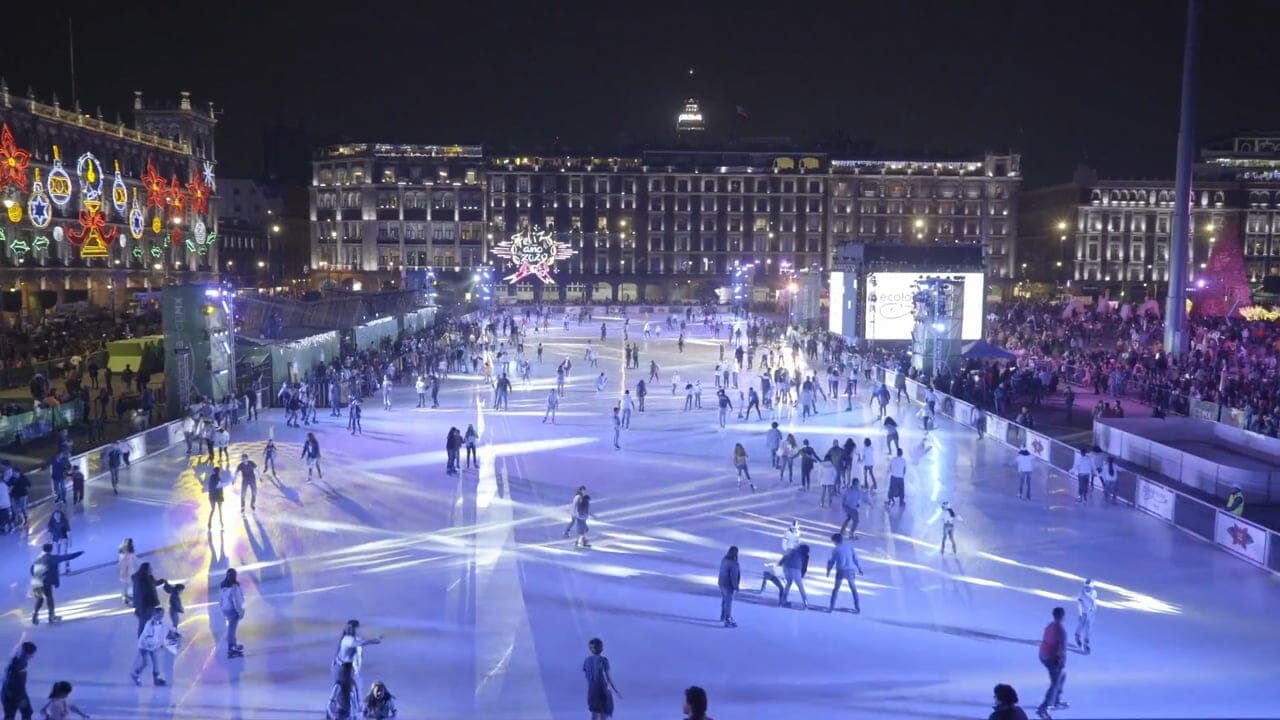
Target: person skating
[[45, 579], [791, 537], [773, 439], [1082, 469], [344, 699], [469, 439], [452, 450], [269, 458], [728, 582], [641, 391], [600, 687], [1006, 705], [231, 603], [214, 487], [627, 408], [722, 398], [1110, 476], [150, 640], [845, 561], [222, 443], [949, 520], [115, 456], [354, 412], [795, 563], [176, 609], [573, 509], [1053, 655], [740, 464], [868, 464], [582, 511], [808, 458], [695, 703], [787, 452], [311, 454], [1026, 463], [851, 501], [553, 402], [351, 652], [126, 566], [59, 528], [379, 704], [13, 691], [145, 598], [897, 480], [1087, 605], [58, 706], [617, 428], [247, 472], [387, 387]]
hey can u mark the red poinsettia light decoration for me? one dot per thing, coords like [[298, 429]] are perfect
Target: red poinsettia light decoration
[[155, 186], [198, 194], [175, 197], [13, 161]]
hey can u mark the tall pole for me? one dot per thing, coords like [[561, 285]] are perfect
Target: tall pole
[[1175, 312]]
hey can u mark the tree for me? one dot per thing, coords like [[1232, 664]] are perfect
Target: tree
[[1226, 288]]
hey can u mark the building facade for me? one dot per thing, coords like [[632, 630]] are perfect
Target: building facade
[[94, 210], [249, 228], [656, 225], [1121, 229]]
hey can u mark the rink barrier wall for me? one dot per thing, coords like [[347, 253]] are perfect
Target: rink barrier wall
[[1245, 540], [143, 445]]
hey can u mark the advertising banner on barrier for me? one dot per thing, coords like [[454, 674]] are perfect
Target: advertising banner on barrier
[[997, 427], [1155, 499], [1038, 445], [1242, 538]]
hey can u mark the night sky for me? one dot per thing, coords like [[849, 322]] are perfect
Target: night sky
[[1062, 83]]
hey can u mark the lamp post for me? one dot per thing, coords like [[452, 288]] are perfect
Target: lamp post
[[272, 231]]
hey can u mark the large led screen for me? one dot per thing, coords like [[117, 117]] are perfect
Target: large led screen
[[888, 309]]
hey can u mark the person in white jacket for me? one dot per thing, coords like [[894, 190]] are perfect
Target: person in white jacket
[[1083, 470], [149, 643], [791, 537], [1026, 463], [1087, 602]]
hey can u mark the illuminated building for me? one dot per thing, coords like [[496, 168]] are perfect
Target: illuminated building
[[690, 123], [94, 210]]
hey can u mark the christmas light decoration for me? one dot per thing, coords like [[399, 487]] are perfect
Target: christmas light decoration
[[119, 193], [1225, 286], [40, 242], [199, 194], [156, 225], [38, 207], [93, 235], [13, 161], [1258, 313], [533, 252], [174, 197], [59, 234], [137, 221], [137, 251], [209, 180], [18, 246], [157, 251], [15, 212], [59, 181], [200, 231], [191, 246], [154, 185], [90, 172]]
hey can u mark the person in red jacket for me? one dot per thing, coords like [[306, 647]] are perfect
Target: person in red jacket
[[1053, 655]]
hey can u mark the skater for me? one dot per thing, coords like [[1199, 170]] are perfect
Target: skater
[[897, 481], [773, 439], [794, 566], [600, 687], [420, 388], [351, 652], [573, 508], [344, 700], [126, 566], [851, 501], [740, 463], [728, 581], [311, 453], [949, 520], [725, 406], [59, 706], [1053, 655], [213, 486], [791, 537], [145, 598], [116, 456], [787, 452], [617, 428], [379, 704], [1026, 463], [45, 578], [641, 391], [269, 458], [600, 383], [353, 417], [469, 439], [1087, 603], [827, 481], [231, 602], [653, 371], [221, 442], [13, 692], [452, 450], [150, 640], [891, 434], [386, 392], [1110, 476], [553, 402], [845, 561], [581, 513], [808, 458], [247, 470], [59, 528], [1082, 468], [869, 464], [77, 485], [627, 407], [174, 591], [1006, 707]]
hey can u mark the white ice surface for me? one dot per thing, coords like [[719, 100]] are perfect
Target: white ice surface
[[486, 609]]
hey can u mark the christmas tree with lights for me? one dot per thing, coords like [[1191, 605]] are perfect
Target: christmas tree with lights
[[1226, 287]]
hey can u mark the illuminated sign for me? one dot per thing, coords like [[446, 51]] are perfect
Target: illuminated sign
[[889, 304], [533, 252]]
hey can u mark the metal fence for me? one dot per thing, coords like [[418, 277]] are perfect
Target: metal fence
[[54, 369]]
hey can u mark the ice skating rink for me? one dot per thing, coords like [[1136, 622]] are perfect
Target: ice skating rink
[[486, 609]]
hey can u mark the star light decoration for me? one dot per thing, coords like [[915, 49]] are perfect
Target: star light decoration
[[533, 251], [13, 161], [39, 208], [210, 181]]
